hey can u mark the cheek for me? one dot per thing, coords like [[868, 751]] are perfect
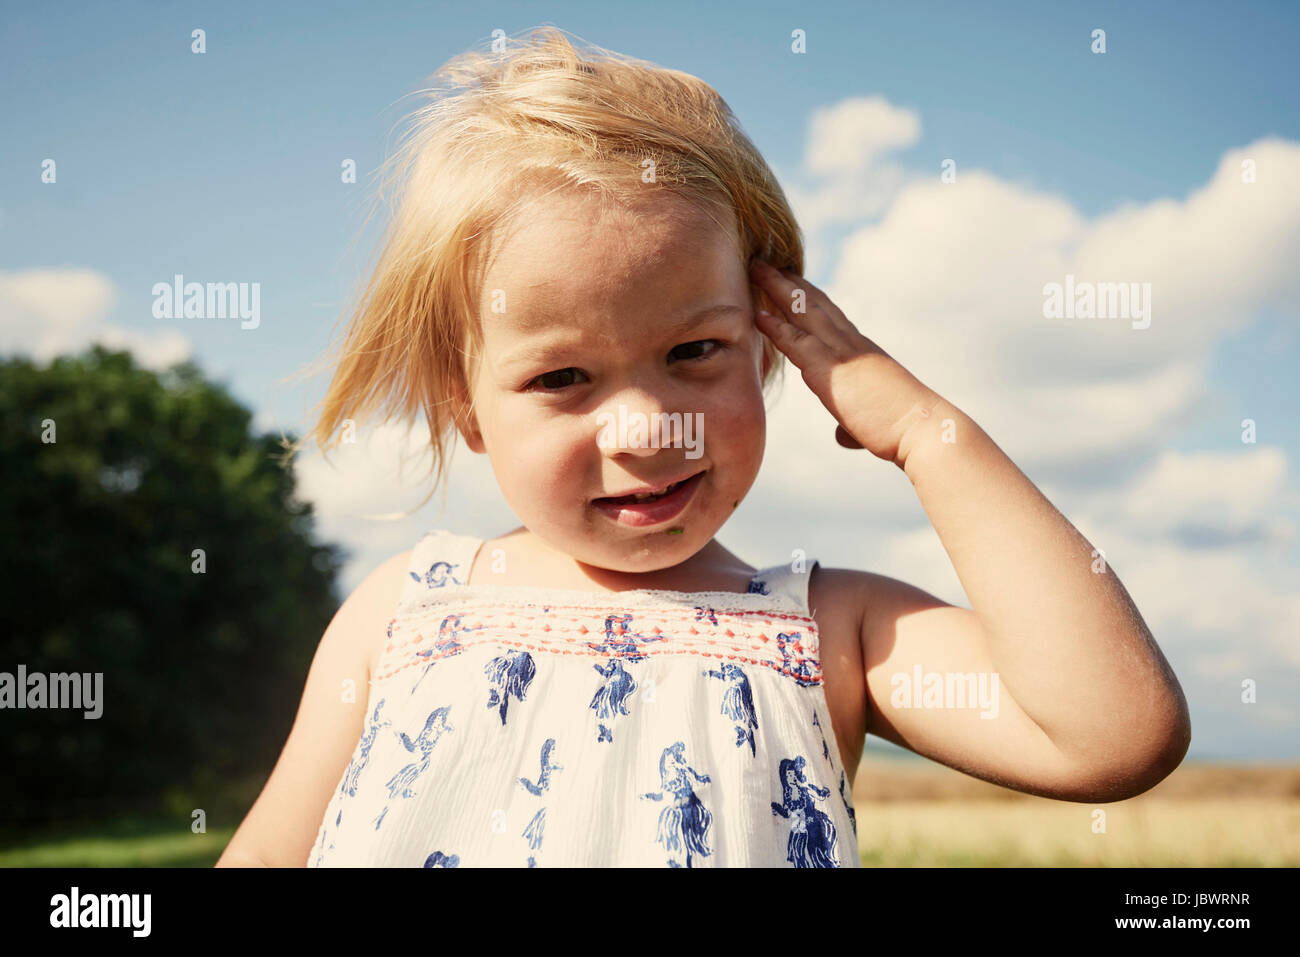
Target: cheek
[[545, 457], [737, 408], [733, 437]]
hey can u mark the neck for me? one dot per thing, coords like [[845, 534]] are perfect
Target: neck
[[712, 568]]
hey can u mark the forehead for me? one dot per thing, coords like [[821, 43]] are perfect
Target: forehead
[[576, 252], [656, 217]]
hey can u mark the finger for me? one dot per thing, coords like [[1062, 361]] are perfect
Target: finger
[[803, 348], [803, 303], [843, 437]]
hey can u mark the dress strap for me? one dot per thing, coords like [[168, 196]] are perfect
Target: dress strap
[[790, 579], [443, 558], [438, 559]]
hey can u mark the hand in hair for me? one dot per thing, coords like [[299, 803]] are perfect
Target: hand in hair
[[873, 398]]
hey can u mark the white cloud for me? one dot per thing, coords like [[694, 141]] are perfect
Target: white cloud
[[1226, 598], [1218, 257], [1201, 542], [1216, 664], [49, 312], [1223, 496], [361, 494], [854, 133], [846, 149], [950, 282]]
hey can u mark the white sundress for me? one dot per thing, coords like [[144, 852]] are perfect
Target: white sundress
[[522, 727]]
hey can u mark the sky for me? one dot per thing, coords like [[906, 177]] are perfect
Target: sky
[[1123, 165]]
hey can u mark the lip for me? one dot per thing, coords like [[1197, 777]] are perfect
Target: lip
[[652, 513], [651, 489]]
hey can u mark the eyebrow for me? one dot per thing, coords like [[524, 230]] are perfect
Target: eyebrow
[[534, 351]]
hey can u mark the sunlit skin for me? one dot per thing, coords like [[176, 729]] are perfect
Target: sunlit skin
[[1095, 711], [1090, 709], [598, 306]]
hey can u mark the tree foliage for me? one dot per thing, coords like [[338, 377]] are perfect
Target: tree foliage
[[202, 672]]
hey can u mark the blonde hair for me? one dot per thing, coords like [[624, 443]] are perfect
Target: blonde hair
[[536, 116]]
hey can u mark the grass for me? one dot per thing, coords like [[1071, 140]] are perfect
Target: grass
[[125, 842], [910, 813]]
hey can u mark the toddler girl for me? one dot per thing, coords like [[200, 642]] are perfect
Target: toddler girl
[[566, 284]]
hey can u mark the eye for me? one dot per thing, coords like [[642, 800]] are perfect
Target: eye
[[553, 381], [561, 379], [700, 342]]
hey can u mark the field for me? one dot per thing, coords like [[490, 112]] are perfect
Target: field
[[916, 813], [909, 812]]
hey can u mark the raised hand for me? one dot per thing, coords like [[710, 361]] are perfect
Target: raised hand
[[872, 397]]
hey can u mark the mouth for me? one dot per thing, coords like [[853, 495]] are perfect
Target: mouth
[[644, 508]]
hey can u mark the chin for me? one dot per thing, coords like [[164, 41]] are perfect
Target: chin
[[644, 552]]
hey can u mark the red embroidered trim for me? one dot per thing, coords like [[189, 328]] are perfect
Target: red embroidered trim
[[548, 630]]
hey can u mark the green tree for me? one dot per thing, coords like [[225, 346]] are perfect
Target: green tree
[[202, 672]]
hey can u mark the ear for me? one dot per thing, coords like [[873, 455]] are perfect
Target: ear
[[765, 363], [766, 356], [466, 423], [764, 360]]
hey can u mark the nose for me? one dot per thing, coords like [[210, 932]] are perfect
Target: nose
[[636, 421]]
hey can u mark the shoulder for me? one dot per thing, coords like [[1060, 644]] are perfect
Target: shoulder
[[836, 600], [385, 579], [373, 602], [872, 600], [838, 592], [859, 617], [865, 611]]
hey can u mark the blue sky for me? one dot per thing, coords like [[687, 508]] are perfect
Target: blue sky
[[225, 167]]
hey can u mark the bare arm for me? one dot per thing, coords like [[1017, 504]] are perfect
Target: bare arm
[[282, 825], [1090, 708]]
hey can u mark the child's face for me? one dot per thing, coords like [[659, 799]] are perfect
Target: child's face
[[599, 304]]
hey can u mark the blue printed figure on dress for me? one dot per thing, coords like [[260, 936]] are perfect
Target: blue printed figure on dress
[[846, 797], [738, 703], [622, 641], [439, 859], [798, 670], [812, 835], [444, 645], [705, 613], [511, 673], [826, 751], [321, 855], [683, 823], [403, 779], [358, 764], [544, 779], [439, 575], [534, 834], [611, 697], [759, 587]]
